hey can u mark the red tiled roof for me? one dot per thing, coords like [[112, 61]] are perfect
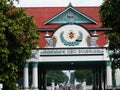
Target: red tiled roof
[[42, 14]]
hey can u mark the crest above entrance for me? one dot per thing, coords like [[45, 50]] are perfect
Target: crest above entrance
[[71, 35], [70, 15]]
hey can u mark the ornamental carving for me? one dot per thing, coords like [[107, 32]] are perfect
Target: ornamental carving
[[71, 35]]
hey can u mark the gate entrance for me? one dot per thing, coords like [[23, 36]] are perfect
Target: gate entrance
[[97, 68], [70, 47]]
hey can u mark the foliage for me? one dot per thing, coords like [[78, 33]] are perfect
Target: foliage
[[58, 76], [110, 17], [17, 38], [82, 75]]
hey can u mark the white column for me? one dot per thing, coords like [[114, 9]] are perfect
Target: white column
[[26, 76], [84, 85], [109, 74], [117, 77], [35, 76], [57, 87], [53, 85], [1, 86]]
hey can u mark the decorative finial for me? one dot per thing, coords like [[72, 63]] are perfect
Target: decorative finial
[[70, 5], [47, 34], [95, 34]]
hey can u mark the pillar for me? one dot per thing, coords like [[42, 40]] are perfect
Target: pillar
[[84, 85], [44, 80], [97, 78], [1, 86], [117, 77], [53, 85], [35, 76], [40, 78], [95, 83], [26, 77], [104, 79], [100, 78], [109, 74]]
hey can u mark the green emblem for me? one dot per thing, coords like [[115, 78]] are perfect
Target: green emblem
[[72, 43]]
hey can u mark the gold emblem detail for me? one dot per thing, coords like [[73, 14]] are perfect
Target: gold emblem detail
[[71, 34]]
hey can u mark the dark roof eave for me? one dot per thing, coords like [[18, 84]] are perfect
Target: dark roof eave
[[45, 29], [89, 29], [99, 29]]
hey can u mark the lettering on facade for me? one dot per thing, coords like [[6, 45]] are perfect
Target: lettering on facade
[[71, 52]]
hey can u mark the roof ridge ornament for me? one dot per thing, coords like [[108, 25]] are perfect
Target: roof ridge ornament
[[95, 34], [70, 5], [47, 34]]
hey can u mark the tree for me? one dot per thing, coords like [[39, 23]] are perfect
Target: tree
[[17, 37], [110, 17], [82, 75], [58, 76]]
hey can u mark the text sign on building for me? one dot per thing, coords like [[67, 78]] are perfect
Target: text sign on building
[[71, 51]]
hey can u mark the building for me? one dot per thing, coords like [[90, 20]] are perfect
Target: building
[[70, 38]]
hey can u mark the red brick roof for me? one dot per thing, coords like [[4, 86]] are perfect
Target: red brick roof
[[42, 14]]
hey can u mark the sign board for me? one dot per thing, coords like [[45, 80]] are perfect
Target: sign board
[[71, 51]]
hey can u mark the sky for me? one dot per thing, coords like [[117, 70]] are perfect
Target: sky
[[54, 3]]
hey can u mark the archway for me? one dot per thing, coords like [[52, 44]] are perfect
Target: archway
[[70, 47]]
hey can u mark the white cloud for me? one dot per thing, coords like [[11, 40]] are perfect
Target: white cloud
[[52, 3]]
